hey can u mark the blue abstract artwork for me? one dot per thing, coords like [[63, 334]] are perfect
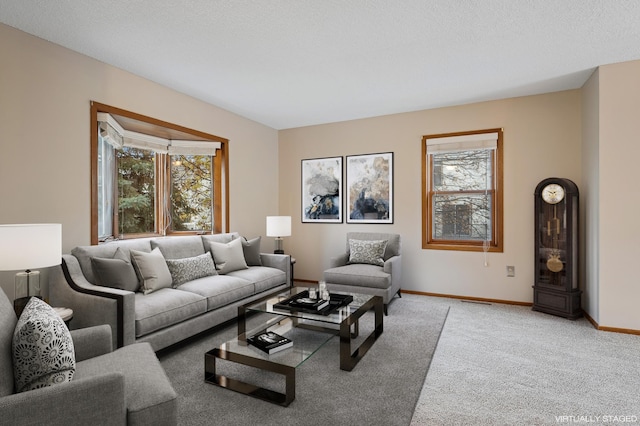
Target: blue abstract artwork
[[370, 188], [322, 190]]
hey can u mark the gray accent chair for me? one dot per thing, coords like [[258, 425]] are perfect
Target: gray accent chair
[[126, 386], [368, 279]]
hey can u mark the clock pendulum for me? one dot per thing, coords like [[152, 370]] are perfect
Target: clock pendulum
[[553, 230]]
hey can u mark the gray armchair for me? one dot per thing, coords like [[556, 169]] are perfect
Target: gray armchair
[[377, 280], [126, 386]]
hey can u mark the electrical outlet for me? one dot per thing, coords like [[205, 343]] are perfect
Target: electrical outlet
[[511, 271]]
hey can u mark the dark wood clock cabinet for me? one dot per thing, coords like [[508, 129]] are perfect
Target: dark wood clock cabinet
[[556, 289]]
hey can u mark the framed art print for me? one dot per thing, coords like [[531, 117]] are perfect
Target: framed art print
[[370, 188], [322, 190]]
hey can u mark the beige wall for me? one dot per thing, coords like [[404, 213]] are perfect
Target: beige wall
[[542, 138], [618, 204], [45, 92]]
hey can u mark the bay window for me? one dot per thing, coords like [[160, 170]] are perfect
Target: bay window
[[153, 178]]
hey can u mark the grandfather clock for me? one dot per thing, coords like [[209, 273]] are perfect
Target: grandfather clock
[[556, 290]]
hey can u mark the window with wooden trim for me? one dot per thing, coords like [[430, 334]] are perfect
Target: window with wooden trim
[[153, 178], [462, 191]]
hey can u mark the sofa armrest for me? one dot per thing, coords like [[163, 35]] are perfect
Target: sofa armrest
[[393, 267], [91, 342], [92, 304], [89, 401], [278, 261], [337, 261]]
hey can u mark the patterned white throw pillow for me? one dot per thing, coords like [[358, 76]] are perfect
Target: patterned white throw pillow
[[367, 251], [190, 268], [43, 352]]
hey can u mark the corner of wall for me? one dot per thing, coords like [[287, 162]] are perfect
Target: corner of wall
[[589, 233]]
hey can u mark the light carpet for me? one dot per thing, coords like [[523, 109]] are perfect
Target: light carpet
[[381, 390], [508, 365]]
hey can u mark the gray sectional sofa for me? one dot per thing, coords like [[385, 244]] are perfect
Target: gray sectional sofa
[[164, 314]]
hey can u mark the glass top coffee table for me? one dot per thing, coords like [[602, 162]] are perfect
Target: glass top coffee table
[[308, 331]]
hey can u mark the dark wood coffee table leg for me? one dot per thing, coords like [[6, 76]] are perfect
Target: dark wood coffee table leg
[[348, 358], [283, 399]]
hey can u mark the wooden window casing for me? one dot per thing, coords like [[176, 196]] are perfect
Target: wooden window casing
[[495, 243], [155, 127]]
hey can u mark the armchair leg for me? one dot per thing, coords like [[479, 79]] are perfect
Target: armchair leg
[[386, 312]]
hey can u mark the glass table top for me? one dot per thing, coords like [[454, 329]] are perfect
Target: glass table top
[[335, 317], [305, 343]]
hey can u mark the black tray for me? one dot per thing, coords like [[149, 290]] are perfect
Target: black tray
[[336, 301]]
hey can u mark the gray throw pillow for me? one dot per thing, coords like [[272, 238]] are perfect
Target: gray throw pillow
[[115, 273], [190, 268], [367, 251], [228, 257], [43, 352], [152, 270], [251, 249]]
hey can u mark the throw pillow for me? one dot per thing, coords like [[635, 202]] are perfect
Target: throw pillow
[[43, 352], [116, 273], [228, 257], [190, 268], [152, 270], [367, 251], [251, 249]]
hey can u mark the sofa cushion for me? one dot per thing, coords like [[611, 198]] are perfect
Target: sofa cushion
[[219, 290], [107, 250], [190, 268], [367, 251], [152, 270], [149, 397], [263, 277], [251, 249], [218, 238], [8, 322], [116, 273], [166, 307], [358, 275], [179, 247], [228, 257], [43, 353]]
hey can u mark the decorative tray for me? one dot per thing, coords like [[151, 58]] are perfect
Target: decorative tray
[[336, 301]]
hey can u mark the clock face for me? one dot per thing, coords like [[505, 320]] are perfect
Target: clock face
[[553, 193]]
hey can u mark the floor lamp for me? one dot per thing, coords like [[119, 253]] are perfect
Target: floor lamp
[[26, 247]]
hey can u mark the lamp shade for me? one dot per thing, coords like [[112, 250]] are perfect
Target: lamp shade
[[278, 226], [30, 246]]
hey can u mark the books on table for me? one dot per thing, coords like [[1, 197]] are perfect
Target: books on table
[[270, 342]]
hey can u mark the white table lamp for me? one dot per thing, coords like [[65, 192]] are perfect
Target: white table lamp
[[278, 226], [26, 247]]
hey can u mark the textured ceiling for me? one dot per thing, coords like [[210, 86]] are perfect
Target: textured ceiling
[[292, 63]]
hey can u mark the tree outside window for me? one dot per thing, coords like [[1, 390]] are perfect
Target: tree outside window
[[191, 192], [136, 191]]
